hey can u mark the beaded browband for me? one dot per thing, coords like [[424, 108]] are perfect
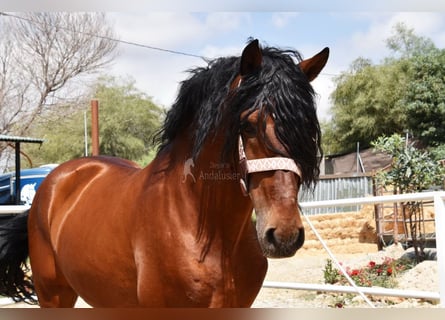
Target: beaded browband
[[263, 164]]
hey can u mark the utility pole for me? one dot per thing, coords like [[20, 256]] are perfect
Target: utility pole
[[95, 127]]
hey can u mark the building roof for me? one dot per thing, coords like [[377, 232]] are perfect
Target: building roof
[[19, 139], [347, 164]]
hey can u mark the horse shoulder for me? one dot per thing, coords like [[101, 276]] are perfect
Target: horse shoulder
[[76, 181]]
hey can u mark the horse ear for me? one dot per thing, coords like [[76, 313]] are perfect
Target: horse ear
[[251, 58], [312, 67]]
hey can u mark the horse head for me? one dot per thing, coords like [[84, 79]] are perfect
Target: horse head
[[279, 148]]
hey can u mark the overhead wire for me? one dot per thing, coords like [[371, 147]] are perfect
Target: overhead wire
[[113, 39], [132, 43]]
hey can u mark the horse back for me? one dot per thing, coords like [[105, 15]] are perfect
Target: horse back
[[88, 191]]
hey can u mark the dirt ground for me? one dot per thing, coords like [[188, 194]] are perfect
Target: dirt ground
[[307, 267]]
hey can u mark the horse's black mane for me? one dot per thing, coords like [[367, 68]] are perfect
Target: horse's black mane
[[279, 88]]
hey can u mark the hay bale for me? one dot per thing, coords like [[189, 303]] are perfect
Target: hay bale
[[343, 232]]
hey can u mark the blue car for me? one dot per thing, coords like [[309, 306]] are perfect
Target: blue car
[[30, 180]]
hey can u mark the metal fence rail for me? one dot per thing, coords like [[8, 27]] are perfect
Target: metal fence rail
[[12, 209], [439, 209], [338, 187]]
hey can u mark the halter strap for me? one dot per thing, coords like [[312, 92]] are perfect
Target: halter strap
[[263, 164]]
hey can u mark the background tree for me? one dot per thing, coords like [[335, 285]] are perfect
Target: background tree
[[366, 104], [425, 98], [127, 121], [404, 42], [412, 170], [404, 92], [41, 57]]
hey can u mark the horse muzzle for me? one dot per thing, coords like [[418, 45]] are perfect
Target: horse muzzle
[[280, 241]]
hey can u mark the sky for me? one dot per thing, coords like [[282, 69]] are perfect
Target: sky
[[350, 28], [349, 35]]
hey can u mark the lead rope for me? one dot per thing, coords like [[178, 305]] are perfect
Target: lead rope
[[337, 263]]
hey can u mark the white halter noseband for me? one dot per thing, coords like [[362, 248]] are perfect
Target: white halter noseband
[[261, 165]]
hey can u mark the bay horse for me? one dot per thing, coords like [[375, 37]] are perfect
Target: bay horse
[[174, 234]]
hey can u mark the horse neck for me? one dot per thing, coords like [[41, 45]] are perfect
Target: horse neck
[[212, 186]]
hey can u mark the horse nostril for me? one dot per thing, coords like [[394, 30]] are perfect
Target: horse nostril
[[300, 239], [270, 235]]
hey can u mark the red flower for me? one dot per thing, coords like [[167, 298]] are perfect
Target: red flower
[[371, 264], [339, 305], [355, 272], [379, 271], [389, 271]]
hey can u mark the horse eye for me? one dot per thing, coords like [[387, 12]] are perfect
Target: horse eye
[[249, 129]]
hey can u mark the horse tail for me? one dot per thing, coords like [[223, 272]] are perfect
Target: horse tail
[[15, 278]]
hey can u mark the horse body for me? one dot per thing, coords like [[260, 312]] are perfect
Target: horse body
[[130, 265], [178, 233], [64, 230]]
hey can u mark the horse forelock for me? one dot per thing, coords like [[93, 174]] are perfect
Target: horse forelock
[[206, 106]]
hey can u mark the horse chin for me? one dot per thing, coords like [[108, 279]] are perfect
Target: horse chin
[[275, 244]]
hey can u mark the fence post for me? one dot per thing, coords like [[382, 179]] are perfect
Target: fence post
[[439, 216]]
